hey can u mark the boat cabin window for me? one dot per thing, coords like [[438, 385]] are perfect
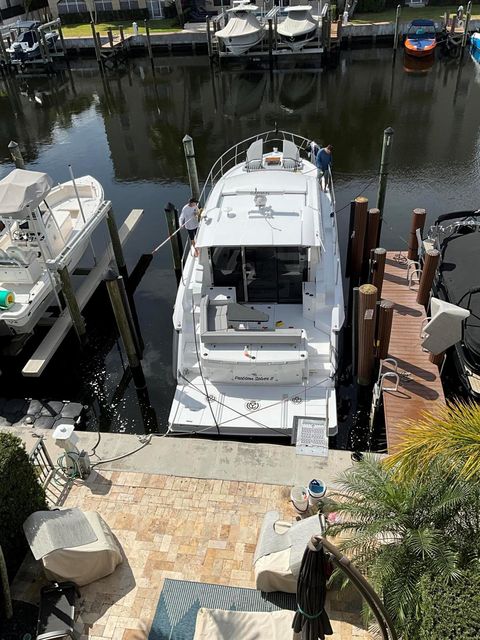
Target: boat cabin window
[[261, 274]]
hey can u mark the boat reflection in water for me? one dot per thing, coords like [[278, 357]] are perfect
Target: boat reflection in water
[[418, 66], [244, 94]]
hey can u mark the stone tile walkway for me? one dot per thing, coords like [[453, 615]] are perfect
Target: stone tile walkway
[[171, 527]]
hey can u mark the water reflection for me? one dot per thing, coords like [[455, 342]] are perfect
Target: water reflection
[[418, 66], [126, 129]]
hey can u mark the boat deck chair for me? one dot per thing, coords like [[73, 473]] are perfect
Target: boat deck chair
[[279, 551], [291, 155], [56, 617], [254, 157]]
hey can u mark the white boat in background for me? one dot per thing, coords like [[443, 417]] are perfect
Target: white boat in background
[[258, 311], [26, 45], [298, 28], [45, 229], [243, 29]]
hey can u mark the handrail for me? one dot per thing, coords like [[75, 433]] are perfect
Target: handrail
[[237, 152]]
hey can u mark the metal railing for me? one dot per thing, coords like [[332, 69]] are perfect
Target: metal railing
[[238, 153], [44, 467]]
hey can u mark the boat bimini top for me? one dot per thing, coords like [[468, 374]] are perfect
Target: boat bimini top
[[22, 189]]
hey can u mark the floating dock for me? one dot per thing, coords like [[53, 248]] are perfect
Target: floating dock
[[420, 387]]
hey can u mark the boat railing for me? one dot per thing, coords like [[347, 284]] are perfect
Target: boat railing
[[238, 153]]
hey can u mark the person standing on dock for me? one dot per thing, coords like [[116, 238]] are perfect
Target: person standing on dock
[[323, 160], [189, 219]]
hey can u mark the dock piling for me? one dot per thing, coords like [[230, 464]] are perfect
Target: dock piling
[[270, 42], [116, 244], [467, 24], [110, 37], [16, 154], [171, 215], [72, 305], [358, 240], [430, 264], [355, 317], [95, 44], [418, 222], [189, 150], [373, 220], [379, 257], [385, 319], [397, 25], [366, 333], [149, 42], [209, 39], [383, 175], [114, 283], [62, 39]]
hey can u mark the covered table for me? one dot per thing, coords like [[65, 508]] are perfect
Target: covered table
[[72, 545]]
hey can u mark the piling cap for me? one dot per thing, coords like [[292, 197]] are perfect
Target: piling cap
[[368, 289]]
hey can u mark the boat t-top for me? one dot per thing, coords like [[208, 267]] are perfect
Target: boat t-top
[[298, 28], [44, 228], [243, 30], [27, 45], [258, 311]]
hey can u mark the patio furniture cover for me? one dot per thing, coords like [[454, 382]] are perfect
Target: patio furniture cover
[[279, 552], [217, 624], [21, 188], [83, 563]]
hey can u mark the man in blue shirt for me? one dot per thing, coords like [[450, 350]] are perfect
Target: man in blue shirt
[[323, 160]]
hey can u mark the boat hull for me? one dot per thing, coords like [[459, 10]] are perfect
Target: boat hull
[[242, 44], [297, 42]]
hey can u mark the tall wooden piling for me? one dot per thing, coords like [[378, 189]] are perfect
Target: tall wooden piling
[[110, 37], [116, 244], [98, 55], [379, 257], [383, 174], [209, 39], [359, 231], [270, 42], [72, 305], [418, 222], [385, 319], [149, 42], [171, 215], [16, 154], [430, 264], [189, 150], [366, 333], [467, 24], [373, 221], [124, 328], [355, 316], [122, 36], [3, 50], [62, 39], [397, 25]]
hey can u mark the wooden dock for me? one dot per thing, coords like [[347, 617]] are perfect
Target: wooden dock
[[420, 387]]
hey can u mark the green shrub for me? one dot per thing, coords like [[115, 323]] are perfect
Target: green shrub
[[450, 610], [20, 495], [370, 6]]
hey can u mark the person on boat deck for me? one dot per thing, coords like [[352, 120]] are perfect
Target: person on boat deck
[[189, 218], [323, 160]]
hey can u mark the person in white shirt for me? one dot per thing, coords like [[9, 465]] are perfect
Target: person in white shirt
[[189, 218]]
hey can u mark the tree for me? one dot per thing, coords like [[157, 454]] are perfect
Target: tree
[[398, 530], [452, 434]]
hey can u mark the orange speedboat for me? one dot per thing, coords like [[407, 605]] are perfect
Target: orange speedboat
[[421, 38]]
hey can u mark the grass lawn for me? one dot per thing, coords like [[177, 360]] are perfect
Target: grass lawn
[[408, 14], [84, 30]]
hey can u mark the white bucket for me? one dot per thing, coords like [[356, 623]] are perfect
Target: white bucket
[[299, 498], [316, 490]]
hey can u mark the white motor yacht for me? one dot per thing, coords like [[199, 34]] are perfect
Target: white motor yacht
[[298, 28], [258, 311], [243, 30], [26, 45], [45, 229]]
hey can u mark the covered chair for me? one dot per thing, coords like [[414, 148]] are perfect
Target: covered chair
[[279, 551], [72, 545]]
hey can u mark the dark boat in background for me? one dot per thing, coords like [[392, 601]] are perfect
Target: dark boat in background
[[457, 237]]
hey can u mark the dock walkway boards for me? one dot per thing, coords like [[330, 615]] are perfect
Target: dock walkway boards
[[420, 388]]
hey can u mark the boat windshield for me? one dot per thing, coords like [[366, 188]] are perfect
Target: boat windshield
[[261, 274]]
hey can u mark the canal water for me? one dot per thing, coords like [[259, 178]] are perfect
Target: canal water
[[126, 130]]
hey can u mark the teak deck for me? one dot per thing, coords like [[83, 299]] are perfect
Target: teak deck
[[420, 388]]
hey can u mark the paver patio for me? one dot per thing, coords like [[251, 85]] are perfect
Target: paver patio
[[171, 527]]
